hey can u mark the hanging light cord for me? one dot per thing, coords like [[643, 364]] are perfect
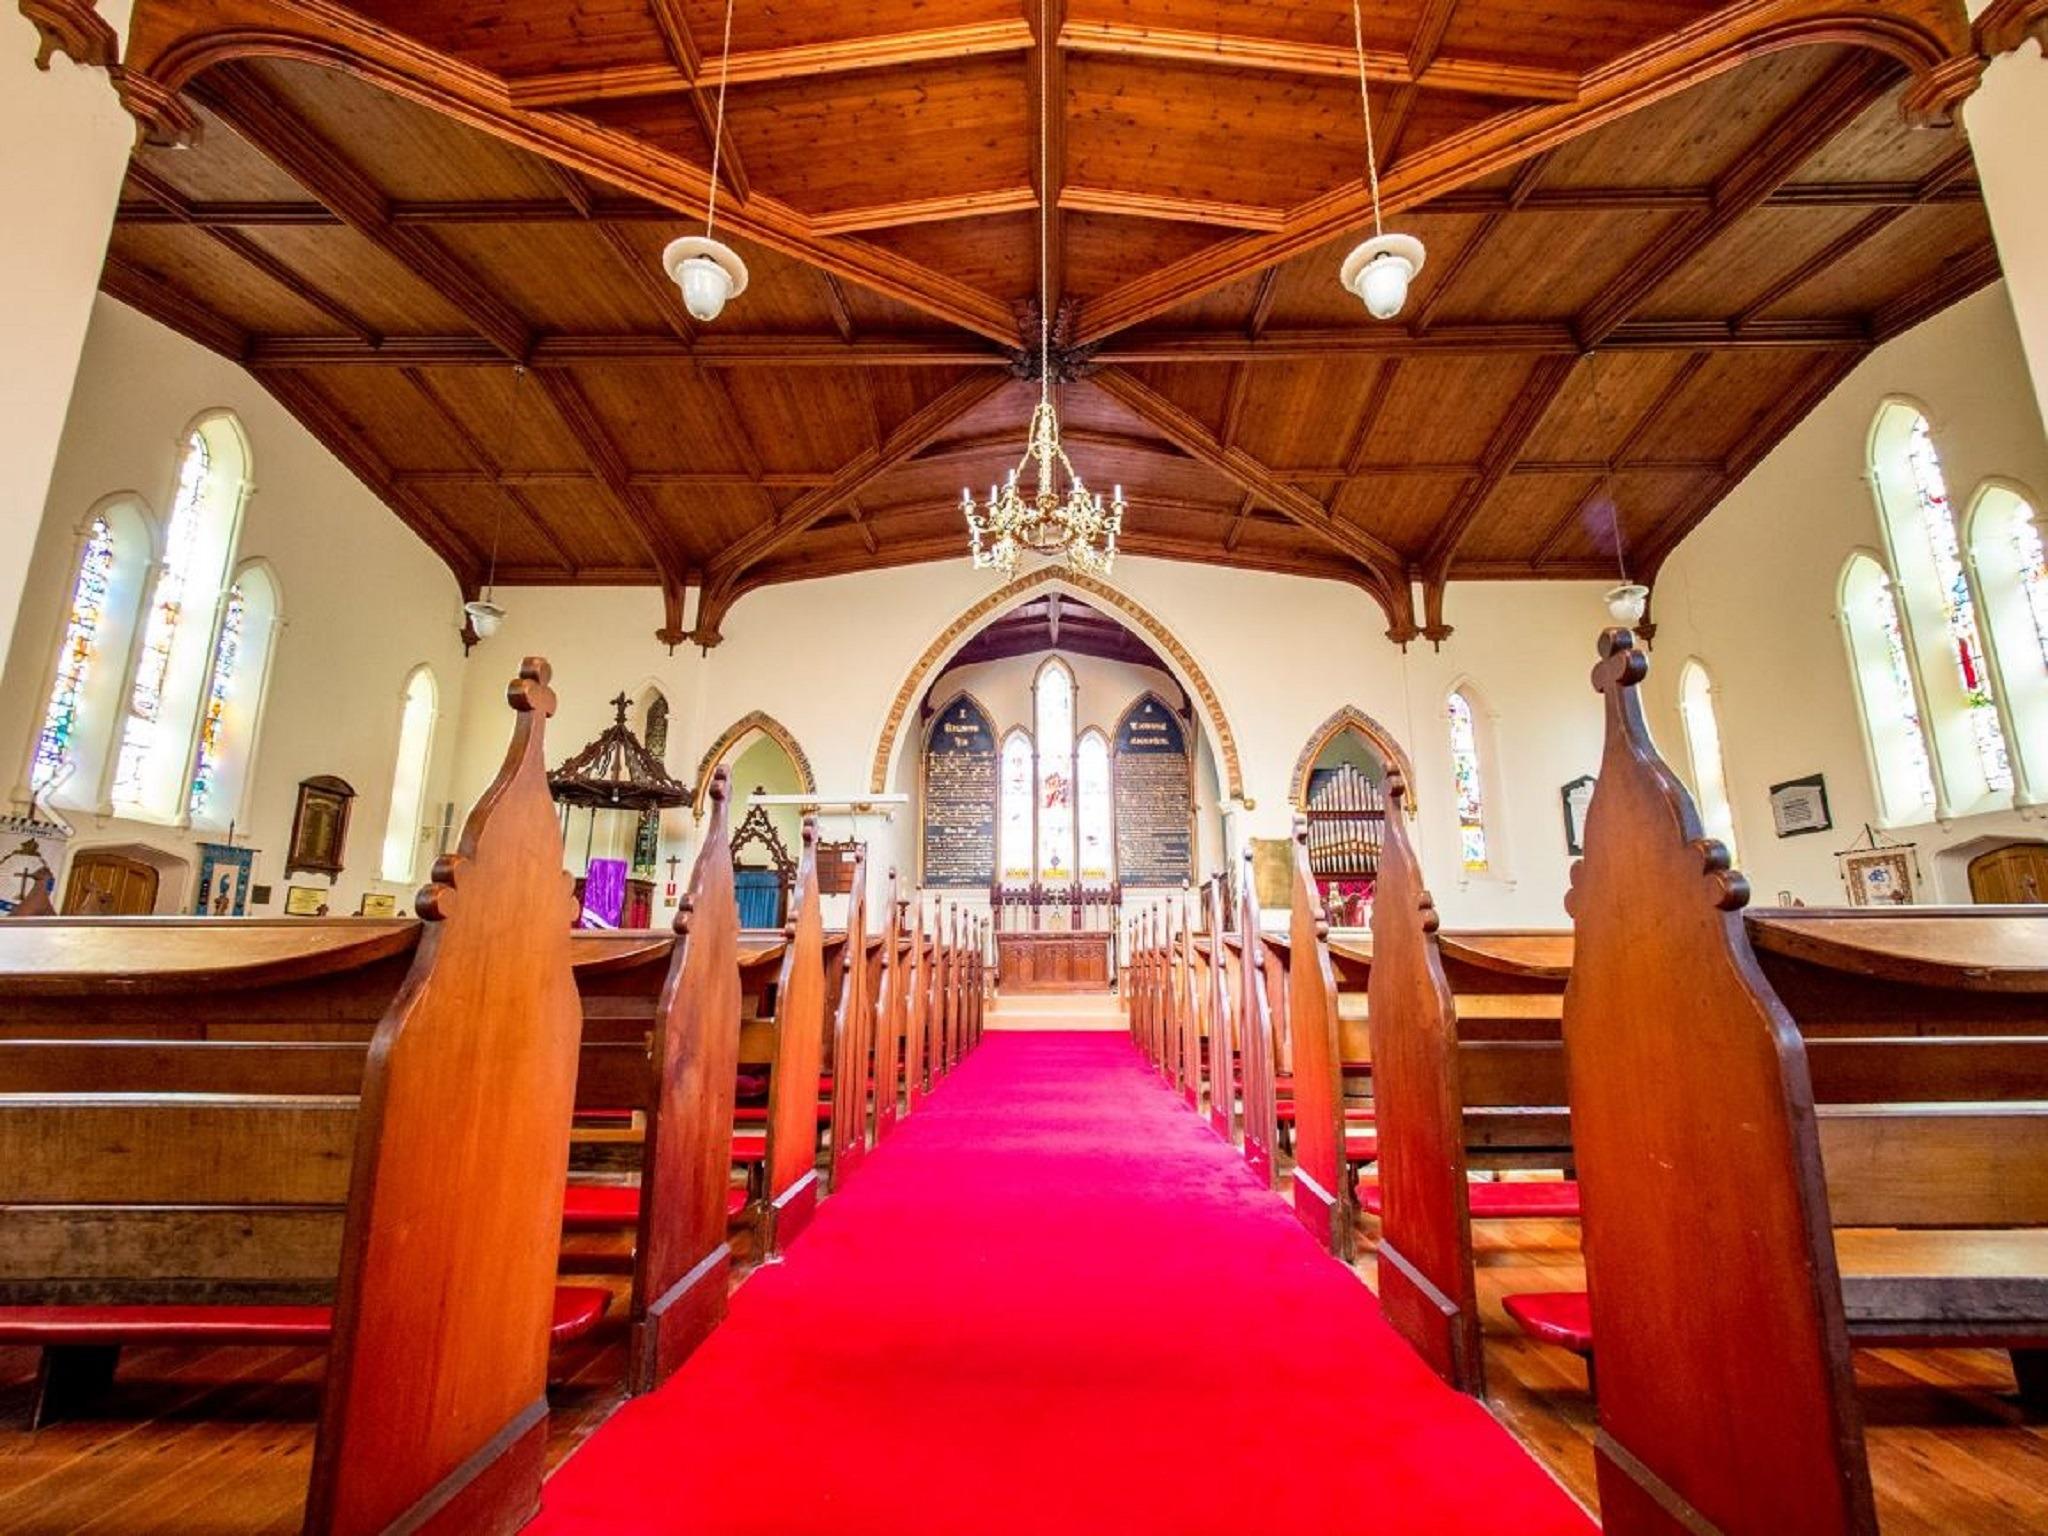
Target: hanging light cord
[[1372, 157], [498, 512], [718, 124], [1607, 478]]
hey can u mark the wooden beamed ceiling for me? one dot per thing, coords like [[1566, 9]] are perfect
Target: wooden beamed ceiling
[[1658, 235]]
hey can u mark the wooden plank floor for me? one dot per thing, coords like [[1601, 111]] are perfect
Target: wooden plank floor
[[219, 1442], [1950, 1451]]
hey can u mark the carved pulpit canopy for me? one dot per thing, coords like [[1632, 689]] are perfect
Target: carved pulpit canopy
[[616, 772]]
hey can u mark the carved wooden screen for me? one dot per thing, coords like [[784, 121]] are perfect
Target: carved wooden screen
[[1347, 817]]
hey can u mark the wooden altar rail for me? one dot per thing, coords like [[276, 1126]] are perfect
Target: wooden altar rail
[[1025, 908]]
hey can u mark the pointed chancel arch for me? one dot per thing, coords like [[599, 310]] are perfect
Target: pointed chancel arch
[[756, 722], [1375, 735], [961, 630]]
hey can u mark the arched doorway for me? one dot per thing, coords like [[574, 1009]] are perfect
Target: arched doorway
[[1340, 787], [764, 760], [2015, 874]]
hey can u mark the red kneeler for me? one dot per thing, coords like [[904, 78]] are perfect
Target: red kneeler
[[602, 1207], [1563, 1318]]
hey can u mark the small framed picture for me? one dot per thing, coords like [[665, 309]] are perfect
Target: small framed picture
[[1800, 806], [305, 901], [378, 904]]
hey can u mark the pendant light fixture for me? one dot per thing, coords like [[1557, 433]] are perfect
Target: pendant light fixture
[[708, 270], [1378, 270], [1073, 523], [485, 614]]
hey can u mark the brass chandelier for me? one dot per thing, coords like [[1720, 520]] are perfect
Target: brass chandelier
[[1050, 521]]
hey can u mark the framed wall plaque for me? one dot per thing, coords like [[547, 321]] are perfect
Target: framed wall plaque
[[1800, 806], [320, 826], [378, 904], [305, 901]]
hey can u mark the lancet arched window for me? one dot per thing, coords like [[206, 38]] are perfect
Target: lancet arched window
[[409, 775], [1053, 710], [1014, 846], [233, 700], [1884, 692], [1703, 749], [1468, 781], [186, 606], [1094, 817], [2006, 556], [1938, 606], [82, 704]]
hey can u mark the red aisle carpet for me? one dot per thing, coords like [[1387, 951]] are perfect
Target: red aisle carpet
[[1053, 1302]]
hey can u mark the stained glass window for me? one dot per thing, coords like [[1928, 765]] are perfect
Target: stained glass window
[[1014, 841], [1465, 775], [1959, 607], [1092, 801], [227, 657], [81, 634], [1055, 710], [152, 666]]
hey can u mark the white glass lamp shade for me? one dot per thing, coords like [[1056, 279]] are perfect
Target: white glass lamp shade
[[709, 272], [1627, 603], [484, 617], [1380, 270]]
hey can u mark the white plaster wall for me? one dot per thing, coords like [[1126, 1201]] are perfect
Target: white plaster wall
[[1751, 592], [66, 142], [827, 658], [363, 600]]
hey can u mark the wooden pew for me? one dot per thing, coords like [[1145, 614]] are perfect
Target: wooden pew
[[1259, 985], [426, 1207], [1188, 999], [1223, 1005], [892, 987], [1711, 1179], [852, 1035], [791, 1046], [682, 1080]]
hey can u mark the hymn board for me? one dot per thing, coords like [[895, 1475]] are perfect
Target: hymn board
[[960, 774], [1152, 796]]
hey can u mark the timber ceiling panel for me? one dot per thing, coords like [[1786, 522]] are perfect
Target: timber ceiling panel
[[1611, 328]]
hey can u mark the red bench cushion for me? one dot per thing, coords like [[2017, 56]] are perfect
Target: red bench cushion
[[757, 1114], [750, 1149], [577, 1310], [1563, 1318], [1551, 1198], [592, 1207], [1361, 1148]]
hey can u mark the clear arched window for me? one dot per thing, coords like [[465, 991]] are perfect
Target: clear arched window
[[233, 701], [68, 754], [409, 776], [1053, 705], [186, 606], [1092, 805], [1014, 843], [1703, 750], [1943, 637], [2011, 567], [1884, 693], [1467, 779]]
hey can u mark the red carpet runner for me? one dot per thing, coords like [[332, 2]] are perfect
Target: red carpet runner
[[1053, 1302]]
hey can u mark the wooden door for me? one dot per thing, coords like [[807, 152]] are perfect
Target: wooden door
[[112, 885], [2017, 872]]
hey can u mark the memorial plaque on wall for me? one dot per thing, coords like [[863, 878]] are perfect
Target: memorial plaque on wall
[[1152, 797], [960, 767]]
